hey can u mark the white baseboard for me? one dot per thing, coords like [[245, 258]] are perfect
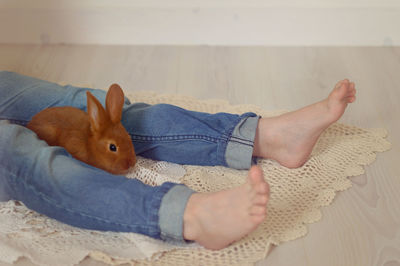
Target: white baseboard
[[208, 25]]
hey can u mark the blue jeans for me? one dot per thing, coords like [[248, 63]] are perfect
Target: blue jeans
[[48, 180]]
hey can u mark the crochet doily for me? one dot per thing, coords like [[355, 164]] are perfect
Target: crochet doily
[[296, 198]]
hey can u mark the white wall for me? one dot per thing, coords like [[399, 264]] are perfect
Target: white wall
[[202, 22]]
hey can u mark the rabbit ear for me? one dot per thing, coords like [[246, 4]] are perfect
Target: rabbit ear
[[97, 115], [114, 102]]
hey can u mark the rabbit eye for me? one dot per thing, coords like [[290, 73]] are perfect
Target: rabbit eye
[[113, 147]]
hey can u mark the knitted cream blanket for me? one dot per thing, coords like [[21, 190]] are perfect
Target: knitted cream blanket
[[296, 198]]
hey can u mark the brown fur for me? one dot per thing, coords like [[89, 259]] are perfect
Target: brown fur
[[87, 136]]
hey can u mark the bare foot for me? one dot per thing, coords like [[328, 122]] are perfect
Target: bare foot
[[290, 138], [215, 220]]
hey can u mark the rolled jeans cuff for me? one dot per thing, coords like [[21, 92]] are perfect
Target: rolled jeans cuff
[[171, 213], [239, 150]]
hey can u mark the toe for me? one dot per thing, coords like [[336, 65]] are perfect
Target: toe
[[257, 219], [257, 182], [255, 176], [342, 83], [352, 87], [352, 99], [339, 84], [340, 92], [258, 210], [262, 188], [353, 91], [261, 200]]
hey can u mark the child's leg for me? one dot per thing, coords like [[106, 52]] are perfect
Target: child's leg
[[22, 97], [290, 138], [169, 133], [161, 132], [48, 180]]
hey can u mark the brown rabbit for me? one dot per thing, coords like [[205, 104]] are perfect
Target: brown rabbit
[[96, 137]]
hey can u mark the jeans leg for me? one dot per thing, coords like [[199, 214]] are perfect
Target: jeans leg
[[169, 133], [49, 181], [160, 132], [21, 97]]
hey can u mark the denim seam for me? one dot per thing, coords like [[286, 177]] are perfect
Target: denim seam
[[240, 139], [227, 136], [243, 143], [43, 197], [177, 137]]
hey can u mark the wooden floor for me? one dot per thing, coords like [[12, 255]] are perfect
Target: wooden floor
[[362, 226]]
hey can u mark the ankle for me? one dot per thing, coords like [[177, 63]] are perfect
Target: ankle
[[261, 140], [190, 227], [257, 141]]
